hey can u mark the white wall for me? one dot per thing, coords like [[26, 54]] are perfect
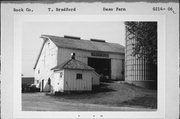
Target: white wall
[[64, 54], [95, 78], [116, 60], [117, 66], [47, 60], [57, 82], [73, 84], [49, 56], [116, 69]]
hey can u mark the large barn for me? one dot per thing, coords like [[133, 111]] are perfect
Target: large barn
[[106, 58]]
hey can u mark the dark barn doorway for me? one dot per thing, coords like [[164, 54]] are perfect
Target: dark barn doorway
[[101, 66], [42, 85]]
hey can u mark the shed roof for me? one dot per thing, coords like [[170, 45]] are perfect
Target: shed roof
[[68, 42], [73, 64]]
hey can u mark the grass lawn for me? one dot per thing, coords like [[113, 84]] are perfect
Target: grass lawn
[[114, 94]]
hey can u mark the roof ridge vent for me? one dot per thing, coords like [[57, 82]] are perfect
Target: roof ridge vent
[[97, 40], [72, 37]]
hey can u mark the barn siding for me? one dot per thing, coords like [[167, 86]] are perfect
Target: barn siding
[[95, 78], [117, 67], [64, 54], [47, 60], [72, 84]]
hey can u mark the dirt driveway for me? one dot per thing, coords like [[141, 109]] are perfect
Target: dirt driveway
[[42, 102]]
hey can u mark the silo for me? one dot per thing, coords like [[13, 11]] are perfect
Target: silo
[[137, 70]]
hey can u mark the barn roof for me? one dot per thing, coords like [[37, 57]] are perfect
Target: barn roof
[[77, 43], [73, 64], [80, 44]]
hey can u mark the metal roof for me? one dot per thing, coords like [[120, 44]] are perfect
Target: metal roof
[[81, 44], [73, 64]]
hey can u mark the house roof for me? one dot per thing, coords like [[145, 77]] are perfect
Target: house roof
[[73, 64], [77, 43]]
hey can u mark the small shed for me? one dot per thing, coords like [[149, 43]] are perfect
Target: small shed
[[73, 75]]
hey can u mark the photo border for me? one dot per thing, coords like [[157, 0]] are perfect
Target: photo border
[[20, 19]]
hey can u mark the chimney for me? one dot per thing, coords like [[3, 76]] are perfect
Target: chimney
[[72, 55]]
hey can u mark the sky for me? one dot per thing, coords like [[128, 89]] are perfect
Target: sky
[[113, 32]]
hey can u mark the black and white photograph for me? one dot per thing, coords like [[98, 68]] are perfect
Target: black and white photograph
[[89, 59], [89, 66]]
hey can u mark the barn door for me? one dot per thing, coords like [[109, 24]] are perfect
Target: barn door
[[49, 83], [42, 85]]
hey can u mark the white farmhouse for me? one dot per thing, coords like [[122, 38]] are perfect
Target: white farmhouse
[[107, 59]]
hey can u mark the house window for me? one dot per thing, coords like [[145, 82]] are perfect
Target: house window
[[38, 71], [78, 76]]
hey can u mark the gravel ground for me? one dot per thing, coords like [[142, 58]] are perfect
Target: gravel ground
[[107, 97]]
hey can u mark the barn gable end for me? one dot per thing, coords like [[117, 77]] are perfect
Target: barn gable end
[[47, 59]]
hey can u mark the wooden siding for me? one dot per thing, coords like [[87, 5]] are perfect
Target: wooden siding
[[52, 56], [47, 60], [57, 82], [64, 54], [95, 78], [73, 84], [85, 45], [117, 67]]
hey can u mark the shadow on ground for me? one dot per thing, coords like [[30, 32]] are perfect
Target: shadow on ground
[[103, 87], [96, 90], [145, 101]]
